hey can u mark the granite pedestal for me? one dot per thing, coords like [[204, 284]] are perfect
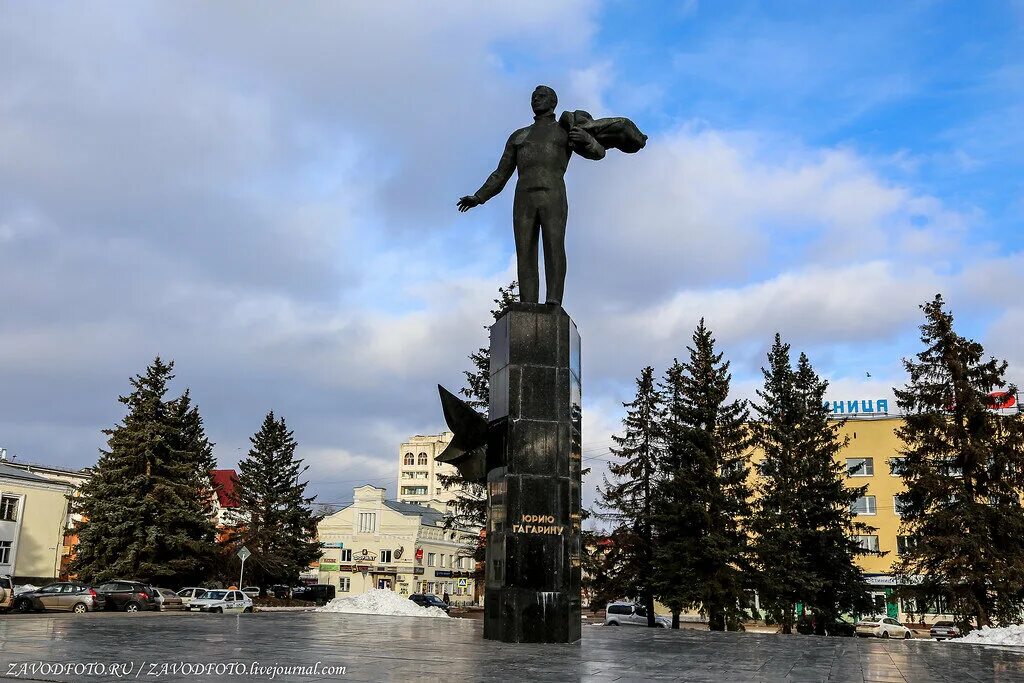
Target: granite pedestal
[[533, 478]]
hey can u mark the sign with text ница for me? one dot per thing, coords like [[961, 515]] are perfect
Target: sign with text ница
[[859, 407]]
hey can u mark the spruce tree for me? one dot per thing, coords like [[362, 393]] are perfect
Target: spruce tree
[[702, 493], [802, 524], [276, 521], [469, 508], [629, 496], [196, 449], [145, 505], [608, 565], [963, 467]]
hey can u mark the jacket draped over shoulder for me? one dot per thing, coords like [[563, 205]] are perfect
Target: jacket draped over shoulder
[[618, 131]]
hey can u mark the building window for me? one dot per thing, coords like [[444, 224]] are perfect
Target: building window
[[897, 466], [385, 557], [444, 560], [8, 509], [899, 503], [938, 605], [5, 552], [421, 459], [865, 505], [345, 555], [414, 490], [367, 522], [949, 468], [431, 559], [344, 584], [860, 467], [869, 543], [409, 459], [905, 544]]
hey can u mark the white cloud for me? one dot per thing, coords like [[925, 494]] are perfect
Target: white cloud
[[268, 197]]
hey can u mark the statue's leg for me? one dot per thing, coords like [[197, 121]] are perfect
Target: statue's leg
[[526, 228], [553, 218]]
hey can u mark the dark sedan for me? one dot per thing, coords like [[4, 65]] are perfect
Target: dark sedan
[[429, 600], [67, 596]]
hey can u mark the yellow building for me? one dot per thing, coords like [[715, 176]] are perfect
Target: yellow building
[[403, 547], [872, 458], [33, 522]]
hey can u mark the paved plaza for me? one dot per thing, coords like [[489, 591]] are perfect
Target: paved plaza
[[376, 648]]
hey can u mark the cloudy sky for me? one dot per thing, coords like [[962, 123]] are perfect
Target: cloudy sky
[[265, 193]]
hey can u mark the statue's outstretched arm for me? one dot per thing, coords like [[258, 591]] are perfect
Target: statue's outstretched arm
[[495, 182]]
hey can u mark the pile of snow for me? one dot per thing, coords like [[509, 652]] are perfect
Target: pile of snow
[[18, 590], [1007, 635], [380, 601]]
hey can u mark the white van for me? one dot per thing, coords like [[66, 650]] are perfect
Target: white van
[[631, 614]]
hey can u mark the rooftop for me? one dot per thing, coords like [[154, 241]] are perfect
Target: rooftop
[[11, 472], [224, 483], [430, 516]]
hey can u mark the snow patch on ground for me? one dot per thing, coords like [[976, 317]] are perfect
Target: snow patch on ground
[[1007, 635], [379, 601], [18, 590]]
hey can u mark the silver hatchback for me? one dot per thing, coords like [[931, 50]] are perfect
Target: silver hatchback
[[69, 596]]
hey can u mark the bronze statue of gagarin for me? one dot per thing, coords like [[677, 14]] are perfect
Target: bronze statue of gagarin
[[540, 153]]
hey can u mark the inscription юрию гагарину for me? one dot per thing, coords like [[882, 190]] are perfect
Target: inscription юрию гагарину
[[537, 524]]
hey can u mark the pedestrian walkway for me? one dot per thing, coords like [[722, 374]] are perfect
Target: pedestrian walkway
[[377, 648]]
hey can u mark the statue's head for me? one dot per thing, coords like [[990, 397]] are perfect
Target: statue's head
[[544, 100]]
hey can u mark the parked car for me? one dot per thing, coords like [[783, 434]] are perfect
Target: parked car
[[631, 614], [429, 600], [187, 595], [321, 593], [252, 591], [821, 626], [942, 630], [130, 596], [6, 593], [167, 600], [219, 601], [281, 592], [67, 596], [883, 627]]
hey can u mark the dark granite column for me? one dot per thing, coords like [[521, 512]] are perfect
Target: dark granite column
[[533, 487]]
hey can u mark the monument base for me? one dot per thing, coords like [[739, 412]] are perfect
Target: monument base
[[534, 477]]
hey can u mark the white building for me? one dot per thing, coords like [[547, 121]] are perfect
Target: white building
[[403, 547], [418, 471]]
